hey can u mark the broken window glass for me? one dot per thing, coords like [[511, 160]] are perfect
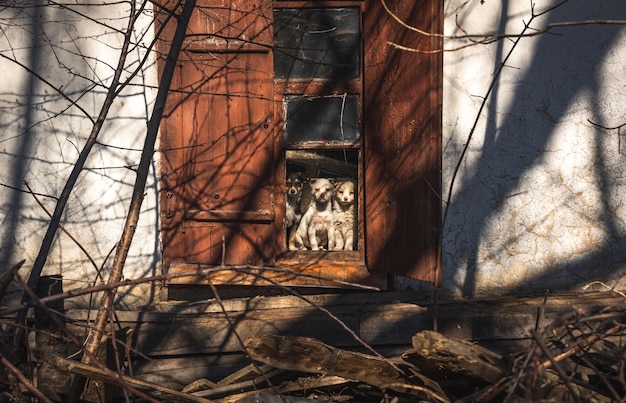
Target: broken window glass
[[322, 119]]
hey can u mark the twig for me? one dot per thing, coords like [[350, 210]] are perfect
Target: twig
[[485, 98], [542, 312], [612, 289], [427, 391], [605, 127], [25, 191], [169, 276], [115, 379], [485, 39], [231, 325], [7, 277], [62, 228], [520, 374], [555, 365], [619, 133], [54, 315], [55, 221], [605, 381], [23, 380], [579, 346], [143, 172], [242, 386]]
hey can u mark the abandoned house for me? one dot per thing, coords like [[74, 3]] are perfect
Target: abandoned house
[[481, 142]]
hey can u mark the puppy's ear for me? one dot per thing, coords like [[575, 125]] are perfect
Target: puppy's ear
[[332, 181]]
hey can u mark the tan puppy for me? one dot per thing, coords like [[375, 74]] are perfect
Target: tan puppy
[[344, 216]]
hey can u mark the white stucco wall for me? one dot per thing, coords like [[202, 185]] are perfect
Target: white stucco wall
[[41, 135], [539, 200]]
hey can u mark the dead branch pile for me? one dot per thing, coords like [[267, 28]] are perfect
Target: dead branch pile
[[579, 357]]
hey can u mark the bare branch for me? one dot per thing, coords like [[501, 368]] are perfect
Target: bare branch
[[55, 221], [201, 272], [23, 380], [138, 190], [483, 39]]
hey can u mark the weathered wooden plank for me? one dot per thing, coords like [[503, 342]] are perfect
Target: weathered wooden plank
[[447, 308], [213, 333], [392, 323], [203, 329], [216, 334], [304, 354], [435, 354], [323, 298], [321, 270], [178, 372]]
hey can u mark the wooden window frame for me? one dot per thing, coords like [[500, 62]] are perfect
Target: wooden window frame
[[398, 232], [351, 263]]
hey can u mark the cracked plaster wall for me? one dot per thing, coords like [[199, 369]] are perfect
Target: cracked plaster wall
[[42, 134], [539, 200]]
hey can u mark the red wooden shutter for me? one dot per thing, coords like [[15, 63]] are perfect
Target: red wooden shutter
[[218, 157], [402, 121]]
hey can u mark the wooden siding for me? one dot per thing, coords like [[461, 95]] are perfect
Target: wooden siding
[[176, 343]]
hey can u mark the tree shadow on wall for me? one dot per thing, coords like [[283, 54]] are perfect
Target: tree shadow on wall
[[564, 66]]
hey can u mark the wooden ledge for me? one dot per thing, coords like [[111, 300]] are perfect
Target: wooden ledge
[[324, 269]]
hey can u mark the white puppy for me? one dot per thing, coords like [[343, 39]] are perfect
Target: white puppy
[[314, 231], [344, 216]]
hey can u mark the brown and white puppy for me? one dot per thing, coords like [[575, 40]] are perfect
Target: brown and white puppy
[[315, 227], [344, 216], [293, 191]]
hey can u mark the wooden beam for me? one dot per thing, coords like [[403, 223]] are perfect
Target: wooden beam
[[175, 329]]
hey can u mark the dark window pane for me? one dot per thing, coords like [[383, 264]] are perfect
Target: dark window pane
[[316, 43], [330, 119]]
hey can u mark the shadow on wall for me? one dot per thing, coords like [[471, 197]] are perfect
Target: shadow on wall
[[42, 132], [20, 161], [520, 142]]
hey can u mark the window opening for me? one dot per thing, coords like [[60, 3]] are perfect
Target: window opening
[[322, 195], [320, 48]]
